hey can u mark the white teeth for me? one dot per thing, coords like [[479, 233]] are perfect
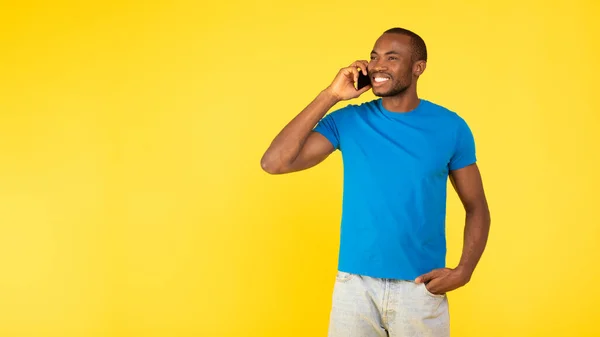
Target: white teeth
[[381, 79]]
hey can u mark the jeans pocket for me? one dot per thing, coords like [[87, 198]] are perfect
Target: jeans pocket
[[432, 294], [343, 276]]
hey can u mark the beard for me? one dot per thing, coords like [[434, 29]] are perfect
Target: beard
[[397, 89]]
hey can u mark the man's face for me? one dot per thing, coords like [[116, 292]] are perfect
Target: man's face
[[391, 64]]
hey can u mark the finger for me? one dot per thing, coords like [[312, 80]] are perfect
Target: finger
[[354, 73], [364, 89], [435, 286], [424, 278], [349, 74], [428, 276], [361, 65], [364, 69]]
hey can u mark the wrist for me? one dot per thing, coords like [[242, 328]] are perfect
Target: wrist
[[464, 272], [331, 96]]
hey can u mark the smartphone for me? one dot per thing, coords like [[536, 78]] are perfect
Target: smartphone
[[363, 80]]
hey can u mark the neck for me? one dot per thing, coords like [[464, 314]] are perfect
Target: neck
[[403, 102]]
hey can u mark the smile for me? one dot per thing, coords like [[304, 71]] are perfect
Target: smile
[[379, 80]]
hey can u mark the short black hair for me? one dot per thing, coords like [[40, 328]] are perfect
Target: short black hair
[[418, 45]]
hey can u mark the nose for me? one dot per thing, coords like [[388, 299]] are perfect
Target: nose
[[377, 65]]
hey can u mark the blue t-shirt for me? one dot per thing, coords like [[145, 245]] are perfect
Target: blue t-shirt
[[396, 168]]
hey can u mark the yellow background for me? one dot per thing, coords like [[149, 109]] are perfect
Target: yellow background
[[131, 197]]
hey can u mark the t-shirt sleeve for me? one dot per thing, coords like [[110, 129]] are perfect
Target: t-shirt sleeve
[[329, 126], [464, 151]]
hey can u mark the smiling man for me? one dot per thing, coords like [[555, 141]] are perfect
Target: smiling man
[[399, 151]]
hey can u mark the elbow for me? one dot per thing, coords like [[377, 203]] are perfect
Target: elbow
[[270, 169], [270, 166], [479, 210]]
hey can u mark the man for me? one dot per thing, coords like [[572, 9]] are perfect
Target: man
[[398, 152]]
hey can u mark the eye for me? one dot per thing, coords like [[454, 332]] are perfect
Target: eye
[[392, 58]]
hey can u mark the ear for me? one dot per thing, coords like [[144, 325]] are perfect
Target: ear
[[419, 68]]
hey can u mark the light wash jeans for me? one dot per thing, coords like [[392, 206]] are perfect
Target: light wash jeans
[[371, 307]]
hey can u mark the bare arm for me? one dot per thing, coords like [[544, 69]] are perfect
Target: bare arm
[[468, 184], [469, 187], [297, 146]]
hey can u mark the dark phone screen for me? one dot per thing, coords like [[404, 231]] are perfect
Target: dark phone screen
[[362, 80]]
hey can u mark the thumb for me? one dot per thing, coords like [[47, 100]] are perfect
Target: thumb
[[425, 277], [364, 89]]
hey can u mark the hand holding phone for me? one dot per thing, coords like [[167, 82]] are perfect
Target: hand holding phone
[[344, 86]]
